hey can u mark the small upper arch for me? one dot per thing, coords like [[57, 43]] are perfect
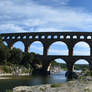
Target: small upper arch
[[75, 37], [89, 37], [82, 37]]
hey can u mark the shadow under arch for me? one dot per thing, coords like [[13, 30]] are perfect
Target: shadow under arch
[[81, 48], [58, 48], [80, 65], [37, 47], [19, 45]]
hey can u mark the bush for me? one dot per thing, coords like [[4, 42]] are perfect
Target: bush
[[42, 89], [26, 70], [56, 85], [7, 69], [8, 90], [87, 89]]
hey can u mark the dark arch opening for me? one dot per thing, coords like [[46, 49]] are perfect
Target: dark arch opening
[[81, 49], [81, 65], [19, 45], [58, 48], [37, 47]]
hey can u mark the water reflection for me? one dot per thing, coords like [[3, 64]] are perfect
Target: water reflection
[[32, 80]]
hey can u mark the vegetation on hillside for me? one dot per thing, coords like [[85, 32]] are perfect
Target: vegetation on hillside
[[15, 59], [76, 66]]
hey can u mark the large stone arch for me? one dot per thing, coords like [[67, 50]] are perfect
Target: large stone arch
[[82, 48], [82, 62], [55, 59], [64, 48], [19, 44], [37, 48]]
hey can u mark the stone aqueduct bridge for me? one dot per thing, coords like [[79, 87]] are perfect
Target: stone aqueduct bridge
[[47, 38]]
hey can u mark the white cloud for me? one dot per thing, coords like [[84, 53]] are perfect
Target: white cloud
[[83, 45], [51, 30], [82, 48], [11, 28], [57, 52], [77, 52], [33, 15], [81, 61], [61, 2], [33, 22]]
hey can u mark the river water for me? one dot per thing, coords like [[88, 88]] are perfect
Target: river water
[[32, 80]]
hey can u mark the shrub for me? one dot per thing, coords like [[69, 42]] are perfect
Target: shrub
[[42, 89], [53, 85], [8, 90], [7, 69], [86, 89], [56, 85]]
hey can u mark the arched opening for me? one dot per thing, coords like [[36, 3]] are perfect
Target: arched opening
[[42, 37], [49, 36], [30, 37], [81, 37], [58, 67], [55, 37], [81, 65], [37, 47], [61, 37], [89, 37], [13, 37], [74, 37], [58, 48], [8, 37], [19, 45], [81, 49], [36, 37], [5, 43], [68, 37]]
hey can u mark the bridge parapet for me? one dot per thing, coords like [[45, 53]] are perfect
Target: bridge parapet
[[48, 36]]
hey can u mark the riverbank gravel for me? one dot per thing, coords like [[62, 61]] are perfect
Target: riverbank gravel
[[71, 86]]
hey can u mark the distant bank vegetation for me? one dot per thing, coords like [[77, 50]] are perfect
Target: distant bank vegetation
[[76, 66]]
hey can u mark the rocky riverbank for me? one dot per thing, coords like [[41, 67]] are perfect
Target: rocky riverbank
[[4, 76], [83, 83], [80, 85]]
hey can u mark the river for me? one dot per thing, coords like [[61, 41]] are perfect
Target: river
[[32, 80]]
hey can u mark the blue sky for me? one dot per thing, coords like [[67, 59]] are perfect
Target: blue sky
[[46, 16]]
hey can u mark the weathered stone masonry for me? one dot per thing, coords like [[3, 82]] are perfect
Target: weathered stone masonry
[[47, 38]]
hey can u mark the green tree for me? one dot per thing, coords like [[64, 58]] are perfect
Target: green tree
[[16, 56], [36, 63], [30, 60], [4, 52], [27, 60]]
